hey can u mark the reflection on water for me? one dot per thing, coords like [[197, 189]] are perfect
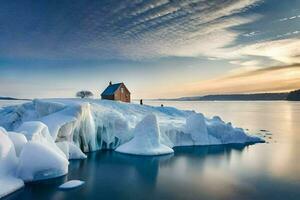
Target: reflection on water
[[111, 175], [262, 171]]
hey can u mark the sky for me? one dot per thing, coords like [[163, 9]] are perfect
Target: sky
[[158, 48]]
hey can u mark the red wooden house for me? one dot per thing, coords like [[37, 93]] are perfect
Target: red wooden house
[[117, 92]]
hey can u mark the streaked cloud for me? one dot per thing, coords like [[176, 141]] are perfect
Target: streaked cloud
[[251, 34], [119, 29], [285, 50], [249, 63], [272, 79], [289, 18]]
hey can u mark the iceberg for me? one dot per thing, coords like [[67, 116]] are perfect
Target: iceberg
[[56, 130], [47, 162], [92, 124], [37, 131], [146, 140], [8, 164], [19, 140]]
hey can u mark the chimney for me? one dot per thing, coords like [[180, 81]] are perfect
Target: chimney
[[110, 83]]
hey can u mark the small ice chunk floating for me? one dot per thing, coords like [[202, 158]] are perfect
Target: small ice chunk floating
[[71, 184]]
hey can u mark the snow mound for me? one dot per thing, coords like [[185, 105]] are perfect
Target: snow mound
[[196, 127], [146, 139], [8, 158], [35, 131], [71, 184], [225, 133], [19, 140], [199, 130], [71, 150], [8, 165], [38, 162], [38, 132]]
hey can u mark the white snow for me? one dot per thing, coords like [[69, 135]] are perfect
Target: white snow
[[38, 132], [146, 139], [62, 129], [195, 125], [8, 158], [8, 163], [35, 131], [71, 184], [19, 140], [71, 150], [75, 152], [38, 161], [101, 124]]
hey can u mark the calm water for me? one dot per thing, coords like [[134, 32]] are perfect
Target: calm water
[[262, 171]]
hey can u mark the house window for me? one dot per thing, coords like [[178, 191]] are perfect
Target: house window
[[122, 90]]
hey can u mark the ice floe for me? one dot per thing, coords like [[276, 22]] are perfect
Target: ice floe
[[71, 184], [39, 137]]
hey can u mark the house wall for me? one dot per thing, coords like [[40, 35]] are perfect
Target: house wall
[[125, 96], [108, 97]]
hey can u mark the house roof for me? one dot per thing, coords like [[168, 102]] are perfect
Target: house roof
[[111, 89]]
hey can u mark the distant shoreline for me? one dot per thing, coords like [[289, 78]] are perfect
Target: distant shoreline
[[211, 100], [284, 96], [13, 99]]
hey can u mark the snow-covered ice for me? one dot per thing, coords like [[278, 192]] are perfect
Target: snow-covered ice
[[54, 130], [71, 151], [8, 156], [9, 184], [19, 140], [8, 164], [38, 161], [195, 125], [101, 124], [146, 140], [92, 124], [71, 184], [37, 131]]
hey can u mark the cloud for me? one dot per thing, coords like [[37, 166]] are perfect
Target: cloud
[[125, 29], [140, 29], [288, 34], [209, 41], [289, 18], [285, 50], [272, 79], [248, 63], [251, 34], [262, 53]]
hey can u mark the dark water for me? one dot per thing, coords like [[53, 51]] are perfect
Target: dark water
[[262, 171]]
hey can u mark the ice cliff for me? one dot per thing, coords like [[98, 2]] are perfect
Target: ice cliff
[[62, 129]]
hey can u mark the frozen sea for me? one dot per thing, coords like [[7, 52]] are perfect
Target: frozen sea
[[262, 171]]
